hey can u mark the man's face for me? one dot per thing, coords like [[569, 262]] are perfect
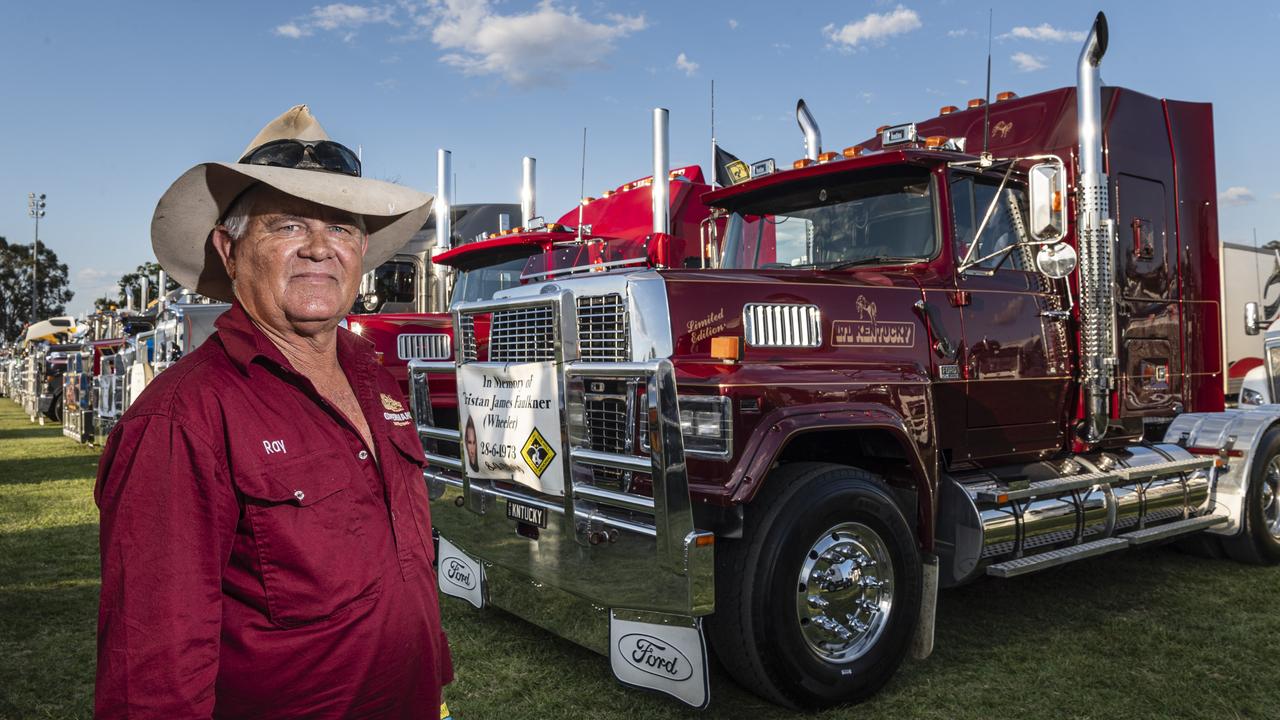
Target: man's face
[[297, 269]]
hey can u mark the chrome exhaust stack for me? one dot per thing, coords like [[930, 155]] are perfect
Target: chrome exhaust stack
[[438, 299], [661, 186], [161, 295], [146, 292], [528, 198], [809, 126], [1095, 233]]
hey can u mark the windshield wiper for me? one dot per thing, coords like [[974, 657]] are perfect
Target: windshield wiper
[[873, 260]]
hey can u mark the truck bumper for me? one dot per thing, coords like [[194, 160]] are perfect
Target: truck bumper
[[561, 582]]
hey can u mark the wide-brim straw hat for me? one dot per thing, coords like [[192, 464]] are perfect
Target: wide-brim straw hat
[[194, 203]]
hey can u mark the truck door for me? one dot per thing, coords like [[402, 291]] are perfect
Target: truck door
[[1016, 357], [1148, 322]]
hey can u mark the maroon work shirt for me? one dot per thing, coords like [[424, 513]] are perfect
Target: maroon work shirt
[[257, 560]]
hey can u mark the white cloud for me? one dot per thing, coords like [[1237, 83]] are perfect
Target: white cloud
[[960, 32], [1236, 195], [1027, 62], [1276, 196], [875, 27], [1044, 32], [292, 30], [684, 64], [733, 24], [537, 47], [340, 17]]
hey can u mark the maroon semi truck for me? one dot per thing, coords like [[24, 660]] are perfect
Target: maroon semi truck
[[945, 353]]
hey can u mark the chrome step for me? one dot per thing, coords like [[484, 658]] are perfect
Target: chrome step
[[1041, 488], [1164, 468], [1042, 561], [1174, 529]]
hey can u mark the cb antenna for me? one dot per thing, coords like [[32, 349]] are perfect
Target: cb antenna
[[582, 183], [985, 159]]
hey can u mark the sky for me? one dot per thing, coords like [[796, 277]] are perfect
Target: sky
[[105, 104]]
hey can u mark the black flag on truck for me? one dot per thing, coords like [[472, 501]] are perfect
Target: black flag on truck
[[729, 169]]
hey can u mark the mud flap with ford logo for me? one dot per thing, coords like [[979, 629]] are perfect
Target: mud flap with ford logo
[[666, 653]]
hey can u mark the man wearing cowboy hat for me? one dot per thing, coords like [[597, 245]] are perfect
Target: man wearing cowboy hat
[[265, 536]]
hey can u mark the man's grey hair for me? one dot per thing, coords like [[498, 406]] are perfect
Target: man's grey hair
[[236, 220]]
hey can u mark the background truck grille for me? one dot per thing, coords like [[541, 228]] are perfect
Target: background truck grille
[[526, 334], [424, 346], [602, 328]]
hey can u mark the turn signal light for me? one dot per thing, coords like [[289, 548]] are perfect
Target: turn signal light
[[1057, 201], [827, 157], [977, 102], [948, 109], [933, 142], [704, 540], [1006, 95], [607, 193], [588, 200], [517, 230], [802, 162], [726, 349], [852, 151]]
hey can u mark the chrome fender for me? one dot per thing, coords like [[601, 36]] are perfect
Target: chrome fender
[[1242, 430]]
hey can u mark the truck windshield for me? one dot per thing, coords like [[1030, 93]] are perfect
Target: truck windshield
[[878, 217], [483, 283]]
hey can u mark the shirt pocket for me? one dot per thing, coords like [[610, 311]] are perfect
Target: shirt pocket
[[410, 464], [310, 533]]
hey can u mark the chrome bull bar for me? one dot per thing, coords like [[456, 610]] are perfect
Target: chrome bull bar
[[586, 515]]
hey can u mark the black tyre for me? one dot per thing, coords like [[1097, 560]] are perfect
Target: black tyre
[[816, 605], [1258, 542]]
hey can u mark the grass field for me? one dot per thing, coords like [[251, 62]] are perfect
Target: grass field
[[1151, 634]]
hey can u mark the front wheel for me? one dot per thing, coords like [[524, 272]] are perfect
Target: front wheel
[[816, 605]]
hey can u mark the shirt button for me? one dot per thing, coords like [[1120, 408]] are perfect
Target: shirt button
[[364, 455]]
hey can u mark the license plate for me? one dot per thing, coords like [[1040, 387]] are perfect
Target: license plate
[[520, 512]]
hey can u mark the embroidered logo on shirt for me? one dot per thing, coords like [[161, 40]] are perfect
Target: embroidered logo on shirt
[[273, 446], [398, 416]]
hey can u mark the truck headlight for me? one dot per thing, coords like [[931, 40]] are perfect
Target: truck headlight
[[706, 423], [1249, 396]]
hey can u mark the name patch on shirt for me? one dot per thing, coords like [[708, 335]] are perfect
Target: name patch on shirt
[[273, 446]]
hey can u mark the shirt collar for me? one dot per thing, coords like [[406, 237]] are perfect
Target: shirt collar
[[245, 342]]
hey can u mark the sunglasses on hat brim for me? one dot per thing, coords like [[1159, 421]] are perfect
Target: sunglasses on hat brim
[[305, 155]]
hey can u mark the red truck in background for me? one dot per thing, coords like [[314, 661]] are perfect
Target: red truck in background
[[984, 344], [616, 233]]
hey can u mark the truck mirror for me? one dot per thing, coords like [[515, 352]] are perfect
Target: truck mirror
[[1056, 261], [1252, 320], [1047, 190]]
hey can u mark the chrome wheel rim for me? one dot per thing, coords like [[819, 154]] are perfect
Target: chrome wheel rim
[[845, 592], [1271, 497]]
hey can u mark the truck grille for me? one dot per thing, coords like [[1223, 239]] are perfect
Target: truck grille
[[602, 329], [424, 346], [608, 419], [526, 334], [470, 353]]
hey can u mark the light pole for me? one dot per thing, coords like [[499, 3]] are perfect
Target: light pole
[[35, 208]]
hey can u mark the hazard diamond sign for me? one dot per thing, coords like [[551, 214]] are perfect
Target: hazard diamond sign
[[537, 453]]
